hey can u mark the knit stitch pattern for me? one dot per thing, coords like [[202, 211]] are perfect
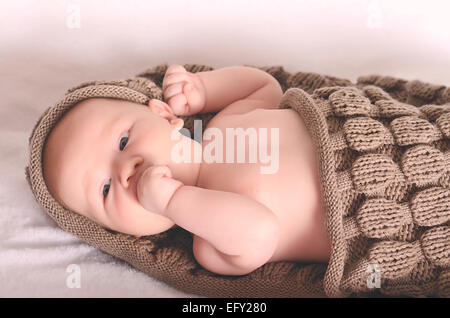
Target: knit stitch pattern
[[384, 155], [385, 169]]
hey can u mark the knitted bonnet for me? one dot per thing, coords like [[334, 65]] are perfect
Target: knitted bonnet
[[341, 114]]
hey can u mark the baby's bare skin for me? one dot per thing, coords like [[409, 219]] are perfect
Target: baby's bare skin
[[239, 217], [291, 193]]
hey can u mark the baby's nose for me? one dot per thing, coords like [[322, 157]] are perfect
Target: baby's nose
[[129, 169]]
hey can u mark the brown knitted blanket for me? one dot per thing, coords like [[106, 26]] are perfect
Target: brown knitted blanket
[[385, 177], [384, 151]]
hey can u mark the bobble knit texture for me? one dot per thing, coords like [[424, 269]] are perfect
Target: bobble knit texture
[[383, 146]]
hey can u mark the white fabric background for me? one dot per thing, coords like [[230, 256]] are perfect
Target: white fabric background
[[43, 53]]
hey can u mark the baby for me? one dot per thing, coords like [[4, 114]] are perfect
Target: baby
[[112, 161]]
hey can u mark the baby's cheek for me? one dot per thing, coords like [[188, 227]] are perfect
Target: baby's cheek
[[122, 209]]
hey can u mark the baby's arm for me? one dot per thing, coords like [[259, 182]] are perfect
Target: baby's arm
[[235, 234], [234, 89], [236, 231], [228, 85]]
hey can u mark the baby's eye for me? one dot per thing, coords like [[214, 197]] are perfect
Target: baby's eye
[[122, 144], [123, 141], [106, 188]]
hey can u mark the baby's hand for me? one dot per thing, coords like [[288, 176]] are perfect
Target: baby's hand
[[155, 188], [183, 91]]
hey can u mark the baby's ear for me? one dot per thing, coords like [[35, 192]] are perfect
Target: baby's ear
[[160, 108], [177, 122]]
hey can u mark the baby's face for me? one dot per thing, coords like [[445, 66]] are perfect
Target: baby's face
[[96, 153]]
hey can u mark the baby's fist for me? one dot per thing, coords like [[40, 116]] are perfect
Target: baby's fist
[[155, 188], [183, 91]]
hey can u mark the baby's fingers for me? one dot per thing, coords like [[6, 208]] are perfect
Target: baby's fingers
[[195, 101], [173, 90], [161, 170], [179, 105], [175, 78], [175, 69]]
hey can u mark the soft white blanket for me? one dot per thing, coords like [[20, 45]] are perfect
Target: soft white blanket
[[42, 55], [34, 252]]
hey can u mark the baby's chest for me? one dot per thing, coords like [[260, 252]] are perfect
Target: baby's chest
[[278, 191], [288, 191], [264, 154]]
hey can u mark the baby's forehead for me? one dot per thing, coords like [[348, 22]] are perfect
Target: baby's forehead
[[100, 109], [91, 105], [89, 116]]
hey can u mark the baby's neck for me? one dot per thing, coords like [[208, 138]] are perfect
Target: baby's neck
[[188, 171]]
